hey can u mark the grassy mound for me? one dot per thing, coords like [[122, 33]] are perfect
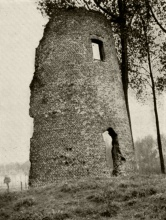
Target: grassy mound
[[134, 197]]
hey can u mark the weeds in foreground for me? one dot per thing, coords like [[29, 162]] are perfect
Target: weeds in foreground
[[118, 198], [30, 215], [24, 203]]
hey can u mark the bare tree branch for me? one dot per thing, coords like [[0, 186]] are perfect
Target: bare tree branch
[[114, 17], [86, 3], [156, 20], [141, 67]]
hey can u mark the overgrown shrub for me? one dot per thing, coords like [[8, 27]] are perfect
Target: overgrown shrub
[[24, 202], [3, 214], [83, 211], [98, 198], [32, 215], [110, 210]]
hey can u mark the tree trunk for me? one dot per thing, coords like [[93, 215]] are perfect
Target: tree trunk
[[155, 110], [124, 55], [121, 20], [117, 156], [7, 187]]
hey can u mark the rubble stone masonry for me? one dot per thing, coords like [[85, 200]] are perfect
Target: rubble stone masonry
[[75, 98]]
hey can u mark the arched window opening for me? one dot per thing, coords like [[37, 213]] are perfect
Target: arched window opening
[[108, 143], [117, 156]]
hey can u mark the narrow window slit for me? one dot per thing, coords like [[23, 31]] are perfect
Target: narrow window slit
[[98, 50]]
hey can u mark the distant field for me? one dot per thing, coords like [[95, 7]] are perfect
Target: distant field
[[117, 198], [15, 184]]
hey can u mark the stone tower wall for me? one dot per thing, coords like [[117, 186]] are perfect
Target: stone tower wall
[[75, 98]]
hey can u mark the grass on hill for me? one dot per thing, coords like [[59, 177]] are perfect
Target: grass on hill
[[117, 198]]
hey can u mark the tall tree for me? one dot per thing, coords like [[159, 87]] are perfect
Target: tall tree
[[127, 28], [119, 12], [148, 60], [154, 101]]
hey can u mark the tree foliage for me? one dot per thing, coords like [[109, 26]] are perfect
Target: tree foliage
[[48, 7], [147, 155], [139, 77], [139, 29], [126, 18], [121, 13], [14, 168]]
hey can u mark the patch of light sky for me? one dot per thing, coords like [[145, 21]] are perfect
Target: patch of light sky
[[21, 29]]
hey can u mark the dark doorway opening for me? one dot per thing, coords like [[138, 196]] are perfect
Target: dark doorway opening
[[117, 156]]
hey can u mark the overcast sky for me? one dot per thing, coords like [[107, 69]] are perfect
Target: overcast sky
[[21, 28]]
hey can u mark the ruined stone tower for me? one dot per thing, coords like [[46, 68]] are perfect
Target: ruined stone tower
[[76, 94]]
